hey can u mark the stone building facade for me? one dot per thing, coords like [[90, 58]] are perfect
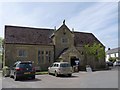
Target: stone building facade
[[45, 46]]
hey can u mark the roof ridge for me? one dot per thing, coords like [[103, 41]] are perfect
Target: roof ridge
[[28, 27], [82, 32]]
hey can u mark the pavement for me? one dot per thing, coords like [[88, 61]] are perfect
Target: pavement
[[98, 79], [0, 79]]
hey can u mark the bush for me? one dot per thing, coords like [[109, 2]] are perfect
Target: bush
[[112, 59], [6, 71]]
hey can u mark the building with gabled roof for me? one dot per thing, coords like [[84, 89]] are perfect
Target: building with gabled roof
[[45, 46], [114, 53]]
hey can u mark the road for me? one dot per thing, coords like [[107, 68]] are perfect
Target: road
[[98, 79]]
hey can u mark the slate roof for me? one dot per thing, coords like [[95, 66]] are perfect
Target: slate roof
[[28, 35], [82, 38], [114, 50]]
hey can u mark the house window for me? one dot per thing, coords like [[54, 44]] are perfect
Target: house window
[[64, 40], [115, 54], [49, 56], [22, 53], [39, 56], [42, 56]]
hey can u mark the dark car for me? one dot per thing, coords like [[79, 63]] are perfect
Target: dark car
[[22, 69], [109, 63]]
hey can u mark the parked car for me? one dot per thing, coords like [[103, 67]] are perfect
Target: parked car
[[22, 69], [60, 68], [108, 63], [117, 63]]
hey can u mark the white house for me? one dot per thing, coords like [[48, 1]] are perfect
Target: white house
[[112, 53]]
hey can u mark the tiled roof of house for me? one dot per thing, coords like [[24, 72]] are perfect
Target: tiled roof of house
[[114, 50], [28, 35], [82, 38]]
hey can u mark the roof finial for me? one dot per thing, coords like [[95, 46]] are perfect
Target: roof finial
[[64, 21]]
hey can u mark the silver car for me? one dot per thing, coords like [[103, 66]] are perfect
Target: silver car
[[60, 68], [117, 63]]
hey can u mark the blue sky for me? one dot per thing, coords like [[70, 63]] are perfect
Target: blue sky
[[99, 18]]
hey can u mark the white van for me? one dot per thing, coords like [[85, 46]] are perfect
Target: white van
[[60, 68]]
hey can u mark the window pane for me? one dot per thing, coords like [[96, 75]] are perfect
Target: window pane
[[42, 52], [49, 56], [22, 53], [39, 56], [46, 52], [64, 40], [42, 59]]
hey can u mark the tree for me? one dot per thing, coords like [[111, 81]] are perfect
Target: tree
[[96, 50], [1, 44], [112, 59]]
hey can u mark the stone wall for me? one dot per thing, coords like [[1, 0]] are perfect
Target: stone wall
[[11, 54]]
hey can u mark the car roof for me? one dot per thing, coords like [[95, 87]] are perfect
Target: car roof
[[60, 62], [23, 62]]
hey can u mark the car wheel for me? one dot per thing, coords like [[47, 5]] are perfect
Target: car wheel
[[48, 72], [33, 77], [56, 74], [10, 76], [15, 77]]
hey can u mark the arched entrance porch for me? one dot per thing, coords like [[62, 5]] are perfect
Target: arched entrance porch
[[74, 61]]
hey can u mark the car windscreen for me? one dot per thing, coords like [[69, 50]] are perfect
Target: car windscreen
[[25, 65], [64, 65]]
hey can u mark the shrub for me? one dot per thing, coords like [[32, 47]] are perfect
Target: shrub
[[6, 71], [112, 59]]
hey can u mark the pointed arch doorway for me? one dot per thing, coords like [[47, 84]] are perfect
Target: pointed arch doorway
[[74, 61]]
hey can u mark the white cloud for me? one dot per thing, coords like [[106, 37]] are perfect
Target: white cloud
[[59, 0], [98, 18]]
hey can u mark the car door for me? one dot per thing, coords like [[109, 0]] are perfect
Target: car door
[[53, 68], [56, 67]]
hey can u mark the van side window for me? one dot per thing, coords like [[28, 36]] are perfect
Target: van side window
[[54, 65], [57, 65]]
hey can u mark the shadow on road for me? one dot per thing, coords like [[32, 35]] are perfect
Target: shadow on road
[[62, 76], [30, 80]]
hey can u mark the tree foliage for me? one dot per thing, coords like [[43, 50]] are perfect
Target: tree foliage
[[113, 59], [96, 50], [1, 42]]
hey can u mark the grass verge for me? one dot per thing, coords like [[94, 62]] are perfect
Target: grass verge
[[41, 73]]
